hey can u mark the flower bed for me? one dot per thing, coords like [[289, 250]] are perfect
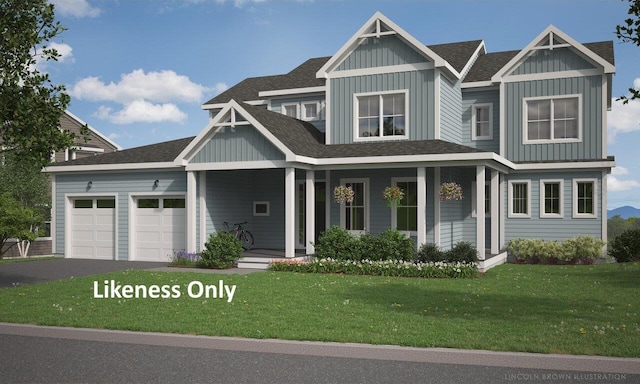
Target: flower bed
[[378, 268]]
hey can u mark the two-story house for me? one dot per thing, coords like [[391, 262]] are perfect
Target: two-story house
[[523, 133]]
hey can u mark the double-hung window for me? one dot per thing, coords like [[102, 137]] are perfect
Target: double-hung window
[[381, 116], [548, 120], [405, 214], [290, 110], [482, 122], [551, 198], [520, 198], [354, 216], [585, 203], [310, 111]]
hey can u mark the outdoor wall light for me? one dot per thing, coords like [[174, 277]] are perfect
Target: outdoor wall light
[[89, 184], [155, 183]]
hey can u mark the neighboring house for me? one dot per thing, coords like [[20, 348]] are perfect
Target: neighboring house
[[97, 143], [522, 132]]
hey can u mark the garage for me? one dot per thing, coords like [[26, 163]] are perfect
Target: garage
[[159, 227], [93, 228]]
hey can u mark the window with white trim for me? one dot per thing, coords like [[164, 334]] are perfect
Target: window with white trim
[[482, 122], [548, 120], [381, 115], [354, 216], [520, 198], [405, 214], [551, 198], [290, 110], [311, 111], [585, 203], [487, 199]]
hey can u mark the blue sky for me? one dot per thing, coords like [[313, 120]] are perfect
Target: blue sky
[[139, 71]]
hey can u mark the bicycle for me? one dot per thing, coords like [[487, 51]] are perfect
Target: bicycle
[[245, 237]]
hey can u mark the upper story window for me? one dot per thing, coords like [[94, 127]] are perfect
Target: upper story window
[[310, 111], [482, 122], [382, 115], [290, 110], [550, 120]]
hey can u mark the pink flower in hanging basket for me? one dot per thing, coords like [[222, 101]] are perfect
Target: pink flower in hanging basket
[[450, 191]]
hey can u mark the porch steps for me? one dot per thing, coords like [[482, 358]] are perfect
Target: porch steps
[[254, 262]]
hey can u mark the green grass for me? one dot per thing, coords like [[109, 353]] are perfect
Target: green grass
[[590, 310]]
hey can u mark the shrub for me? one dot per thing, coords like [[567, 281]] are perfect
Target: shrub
[[337, 243], [626, 247], [184, 259], [221, 251], [429, 252], [462, 252], [581, 249], [389, 245]]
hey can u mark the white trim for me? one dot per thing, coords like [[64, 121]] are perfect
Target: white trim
[[292, 91], [503, 211], [480, 215], [394, 210], [327, 115], [54, 195], [111, 167], [476, 85], [436, 205], [87, 149], [421, 179], [303, 111], [543, 214], [310, 212], [283, 109], [190, 206], [265, 203], [495, 213], [593, 215], [603, 214], [222, 105], [552, 75], [564, 166], [437, 94], [604, 126], [290, 212], [510, 212], [328, 199], [365, 190], [202, 179], [474, 135], [95, 131], [381, 137], [502, 138], [68, 213], [261, 164], [381, 70], [481, 48], [552, 99], [474, 207]]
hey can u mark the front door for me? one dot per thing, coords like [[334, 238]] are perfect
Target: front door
[[320, 212]]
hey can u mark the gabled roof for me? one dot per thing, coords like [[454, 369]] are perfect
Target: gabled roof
[[93, 131], [458, 54]]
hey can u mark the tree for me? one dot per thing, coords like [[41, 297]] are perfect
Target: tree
[[30, 104], [629, 32], [16, 222]]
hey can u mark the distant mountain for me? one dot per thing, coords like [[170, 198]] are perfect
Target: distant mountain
[[624, 212]]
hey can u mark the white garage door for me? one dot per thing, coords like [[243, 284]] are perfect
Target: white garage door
[[159, 227], [93, 228]]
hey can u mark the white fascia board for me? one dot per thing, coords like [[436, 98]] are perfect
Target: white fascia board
[[88, 149], [199, 141], [222, 105], [607, 67], [95, 131], [381, 70], [236, 165], [411, 158], [565, 166], [479, 86], [111, 167], [354, 41], [481, 48], [552, 75], [293, 91]]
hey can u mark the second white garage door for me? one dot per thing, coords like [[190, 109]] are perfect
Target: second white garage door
[[159, 227]]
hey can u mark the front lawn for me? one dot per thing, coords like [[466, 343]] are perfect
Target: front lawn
[[592, 310]]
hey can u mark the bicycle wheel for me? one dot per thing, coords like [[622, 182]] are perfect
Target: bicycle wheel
[[247, 240]]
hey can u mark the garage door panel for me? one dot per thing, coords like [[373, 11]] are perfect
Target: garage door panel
[[93, 229], [159, 231]]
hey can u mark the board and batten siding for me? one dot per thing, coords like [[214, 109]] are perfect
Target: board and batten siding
[[420, 85], [242, 143], [119, 184], [450, 111], [556, 60], [381, 52], [553, 228], [471, 98], [590, 87]]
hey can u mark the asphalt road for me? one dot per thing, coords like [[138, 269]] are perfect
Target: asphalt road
[[32, 354]]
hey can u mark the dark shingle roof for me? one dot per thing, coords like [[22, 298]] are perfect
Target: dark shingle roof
[[456, 54], [487, 65], [603, 49], [154, 153]]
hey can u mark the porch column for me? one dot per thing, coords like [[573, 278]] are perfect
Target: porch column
[[495, 212], [191, 211], [310, 211], [436, 206], [289, 212], [422, 206], [480, 211], [202, 178]]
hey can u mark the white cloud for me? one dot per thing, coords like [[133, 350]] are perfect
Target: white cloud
[[140, 111], [64, 52], [240, 3], [76, 8], [618, 170], [219, 88], [616, 185], [623, 118]]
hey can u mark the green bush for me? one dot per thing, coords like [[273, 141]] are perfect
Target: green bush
[[221, 251], [337, 243], [581, 249], [461, 252], [626, 247]]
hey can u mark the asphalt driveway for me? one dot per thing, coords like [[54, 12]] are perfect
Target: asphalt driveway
[[33, 272]]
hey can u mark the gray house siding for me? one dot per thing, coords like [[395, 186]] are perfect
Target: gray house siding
[[553, 228], [591, 145], [242, 143], [379, 52], [119, 184], [450, 111], [469, 99], [456, 222], [420, 85], [556, 60]]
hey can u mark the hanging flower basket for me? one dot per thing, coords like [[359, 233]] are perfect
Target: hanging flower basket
[[393, 196], [342, 194], [450, 191]]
